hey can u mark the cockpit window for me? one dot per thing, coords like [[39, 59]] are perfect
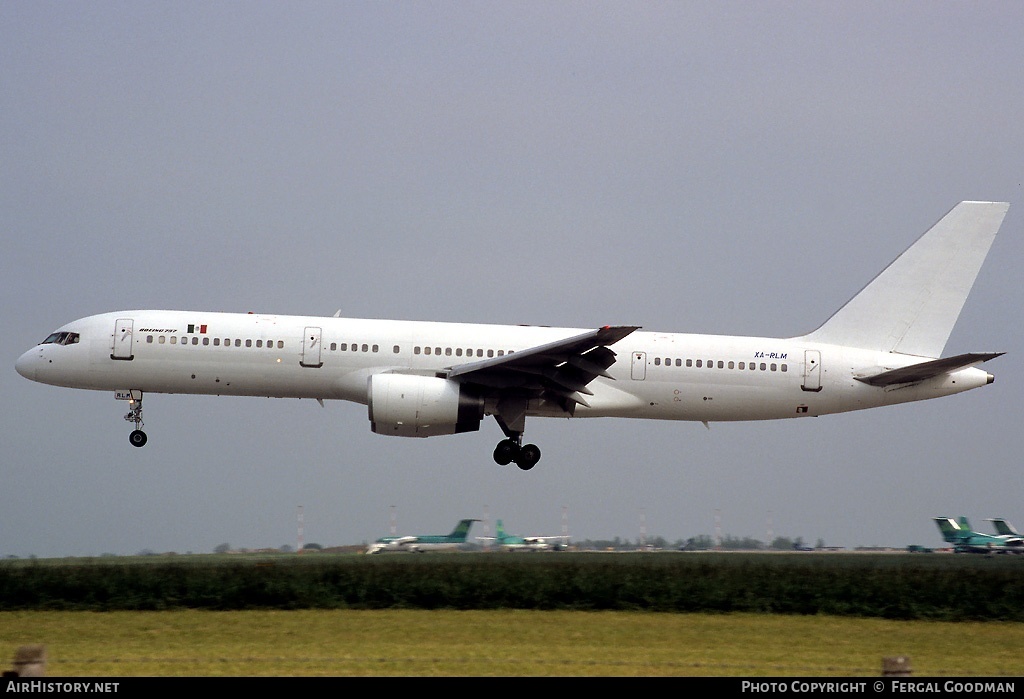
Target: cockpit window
[[61, 339]]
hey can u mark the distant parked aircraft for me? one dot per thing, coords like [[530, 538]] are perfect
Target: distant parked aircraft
[[1004, 528], [524, 543], [421, 543], [965, 540]]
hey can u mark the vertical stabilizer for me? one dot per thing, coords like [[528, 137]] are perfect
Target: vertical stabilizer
[[1003, 528], [949, 528], [912, 305], [461, 530]]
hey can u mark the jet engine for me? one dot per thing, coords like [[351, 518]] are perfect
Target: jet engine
[[403, 405]]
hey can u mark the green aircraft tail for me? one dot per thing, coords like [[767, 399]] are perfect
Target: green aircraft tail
[[461, 529], [499, 530], [950, 533], [1003, 528]]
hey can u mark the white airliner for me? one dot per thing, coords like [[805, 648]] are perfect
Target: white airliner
[[421, 379]]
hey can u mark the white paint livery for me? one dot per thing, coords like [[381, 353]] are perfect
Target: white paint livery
[[421, 379]]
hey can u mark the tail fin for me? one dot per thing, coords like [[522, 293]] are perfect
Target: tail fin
[[499, 530], [950, 529], [912, 305], [461, 529], [1002, 527]]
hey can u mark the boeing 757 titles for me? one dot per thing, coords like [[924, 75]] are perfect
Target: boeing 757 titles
[[422, 379]]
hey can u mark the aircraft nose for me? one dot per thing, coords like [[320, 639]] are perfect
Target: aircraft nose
[[26, 365]]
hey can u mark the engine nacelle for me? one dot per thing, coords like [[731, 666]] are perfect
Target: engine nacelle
[[402, 405]]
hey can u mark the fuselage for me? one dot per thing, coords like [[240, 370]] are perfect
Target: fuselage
[[670, 376], [415, 544]]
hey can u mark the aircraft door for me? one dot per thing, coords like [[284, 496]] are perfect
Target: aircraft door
[[122, 347], [639, 370], [812, 371], [311, 349]]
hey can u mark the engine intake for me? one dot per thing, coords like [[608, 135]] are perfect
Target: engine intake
[[403, 405]]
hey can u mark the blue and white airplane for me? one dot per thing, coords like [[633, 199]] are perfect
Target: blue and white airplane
[[422, 379]]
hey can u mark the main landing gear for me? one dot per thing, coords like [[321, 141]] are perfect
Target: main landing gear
[[509, 450], [511, 418], [137, 438]]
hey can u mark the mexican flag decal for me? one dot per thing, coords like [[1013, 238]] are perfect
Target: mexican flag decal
[[197, 328]]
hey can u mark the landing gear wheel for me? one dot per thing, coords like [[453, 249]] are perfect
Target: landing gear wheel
[[506, 452], [138, 438], [528, 457]]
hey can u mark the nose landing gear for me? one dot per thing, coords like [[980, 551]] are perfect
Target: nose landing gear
[[137, 438]]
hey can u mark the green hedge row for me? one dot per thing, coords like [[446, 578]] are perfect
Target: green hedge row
[[938, 587]]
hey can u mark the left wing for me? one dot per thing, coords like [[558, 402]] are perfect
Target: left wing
[[558, 371]]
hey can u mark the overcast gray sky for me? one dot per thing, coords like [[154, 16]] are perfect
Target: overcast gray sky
[[727, 167]]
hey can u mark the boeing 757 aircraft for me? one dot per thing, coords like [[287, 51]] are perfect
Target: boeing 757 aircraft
[[422, 379]]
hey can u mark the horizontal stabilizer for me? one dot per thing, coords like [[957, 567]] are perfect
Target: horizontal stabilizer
[[927, 370]]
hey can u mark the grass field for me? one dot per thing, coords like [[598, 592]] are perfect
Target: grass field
[[501, 643]]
